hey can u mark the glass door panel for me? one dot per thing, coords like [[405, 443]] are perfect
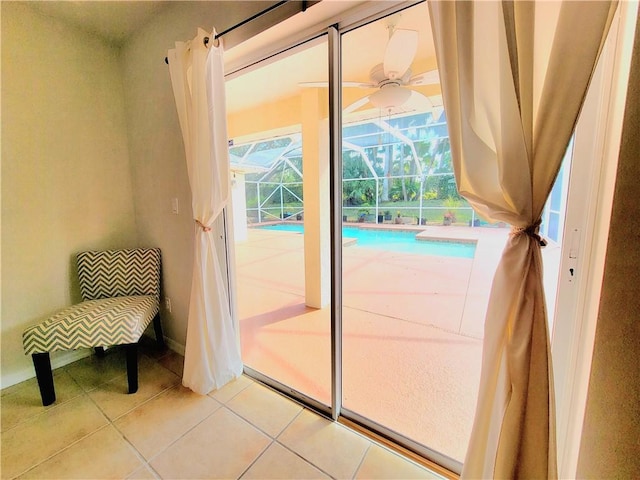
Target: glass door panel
[[417, 262], [278, 151]]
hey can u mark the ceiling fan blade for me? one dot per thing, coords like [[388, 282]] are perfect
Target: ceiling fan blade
[[432, 77], [358, 84], [344, 84], [401, 49], [361, 102], [313, 84], [418, 101]]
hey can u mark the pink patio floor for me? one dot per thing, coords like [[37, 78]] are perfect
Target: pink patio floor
[[412, 329]]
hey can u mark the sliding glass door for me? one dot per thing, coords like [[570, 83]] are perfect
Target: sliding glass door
[[279, 142], [409, 292], [363, 276]]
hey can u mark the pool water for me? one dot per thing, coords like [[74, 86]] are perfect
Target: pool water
[[393, 240]]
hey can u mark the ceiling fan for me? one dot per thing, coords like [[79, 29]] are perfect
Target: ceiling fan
[[392, 77]]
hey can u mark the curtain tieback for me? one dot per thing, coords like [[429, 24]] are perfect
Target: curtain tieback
[[203, 226], [531, 231]]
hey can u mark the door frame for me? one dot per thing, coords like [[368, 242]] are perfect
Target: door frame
[[589, 205]]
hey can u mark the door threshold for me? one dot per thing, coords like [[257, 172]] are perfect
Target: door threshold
[[397, 448]]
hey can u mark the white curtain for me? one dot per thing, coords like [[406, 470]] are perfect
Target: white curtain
[[514, 75], [212, 355]]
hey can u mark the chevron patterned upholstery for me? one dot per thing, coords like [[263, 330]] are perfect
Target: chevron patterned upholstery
[[121, 291], [109, 321], [119, 273]]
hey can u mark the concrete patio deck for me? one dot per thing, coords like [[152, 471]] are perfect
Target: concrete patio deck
[[412, 329]]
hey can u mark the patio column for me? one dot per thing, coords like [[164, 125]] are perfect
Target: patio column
[[315, 186]]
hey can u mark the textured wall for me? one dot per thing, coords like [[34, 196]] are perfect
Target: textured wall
[[66, 183]]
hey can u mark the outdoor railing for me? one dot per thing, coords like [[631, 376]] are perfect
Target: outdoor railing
[[274, 201]]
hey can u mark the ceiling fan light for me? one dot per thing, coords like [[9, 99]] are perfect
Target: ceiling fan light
[[390, 96]]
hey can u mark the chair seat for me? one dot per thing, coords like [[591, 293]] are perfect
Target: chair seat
[[93, 323]]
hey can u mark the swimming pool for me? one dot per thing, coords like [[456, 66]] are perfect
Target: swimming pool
[[393, 240]]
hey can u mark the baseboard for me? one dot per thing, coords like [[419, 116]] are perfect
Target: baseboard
[[57, 361], [175, 346], [171, 344]]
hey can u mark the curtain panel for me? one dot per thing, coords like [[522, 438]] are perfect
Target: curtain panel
[[212, 354], [514, 75]]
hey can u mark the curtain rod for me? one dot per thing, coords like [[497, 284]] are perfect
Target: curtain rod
[[245, 21]]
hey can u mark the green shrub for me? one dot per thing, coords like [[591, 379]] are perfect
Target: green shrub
[[430, 195]]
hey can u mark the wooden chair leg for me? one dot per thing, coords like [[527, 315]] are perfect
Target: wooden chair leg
[[131, 350], [157, 326], [42, 365]]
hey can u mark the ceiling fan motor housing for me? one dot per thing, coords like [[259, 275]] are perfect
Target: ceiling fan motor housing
[[378, 78]]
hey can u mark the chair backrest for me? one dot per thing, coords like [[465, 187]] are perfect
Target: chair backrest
[[119, 273]]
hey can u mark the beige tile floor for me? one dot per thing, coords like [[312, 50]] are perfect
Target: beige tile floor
[[244, 430]]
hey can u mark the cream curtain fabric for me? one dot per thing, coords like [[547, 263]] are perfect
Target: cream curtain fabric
[[514, 75], [212, 356]]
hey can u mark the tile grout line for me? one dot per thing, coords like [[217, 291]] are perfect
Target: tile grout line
[[256, 459], [220, 405], [183, 435], [56, 407], [138, 454], [238, 414], [144, 402], [362, 459], [306, 460], [304, 407], [66, 447], [111, 422], [47, 409], [247, 422], [234, 395], [272, 439]]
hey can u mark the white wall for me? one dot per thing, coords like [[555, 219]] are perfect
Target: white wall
[[66, 183]]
